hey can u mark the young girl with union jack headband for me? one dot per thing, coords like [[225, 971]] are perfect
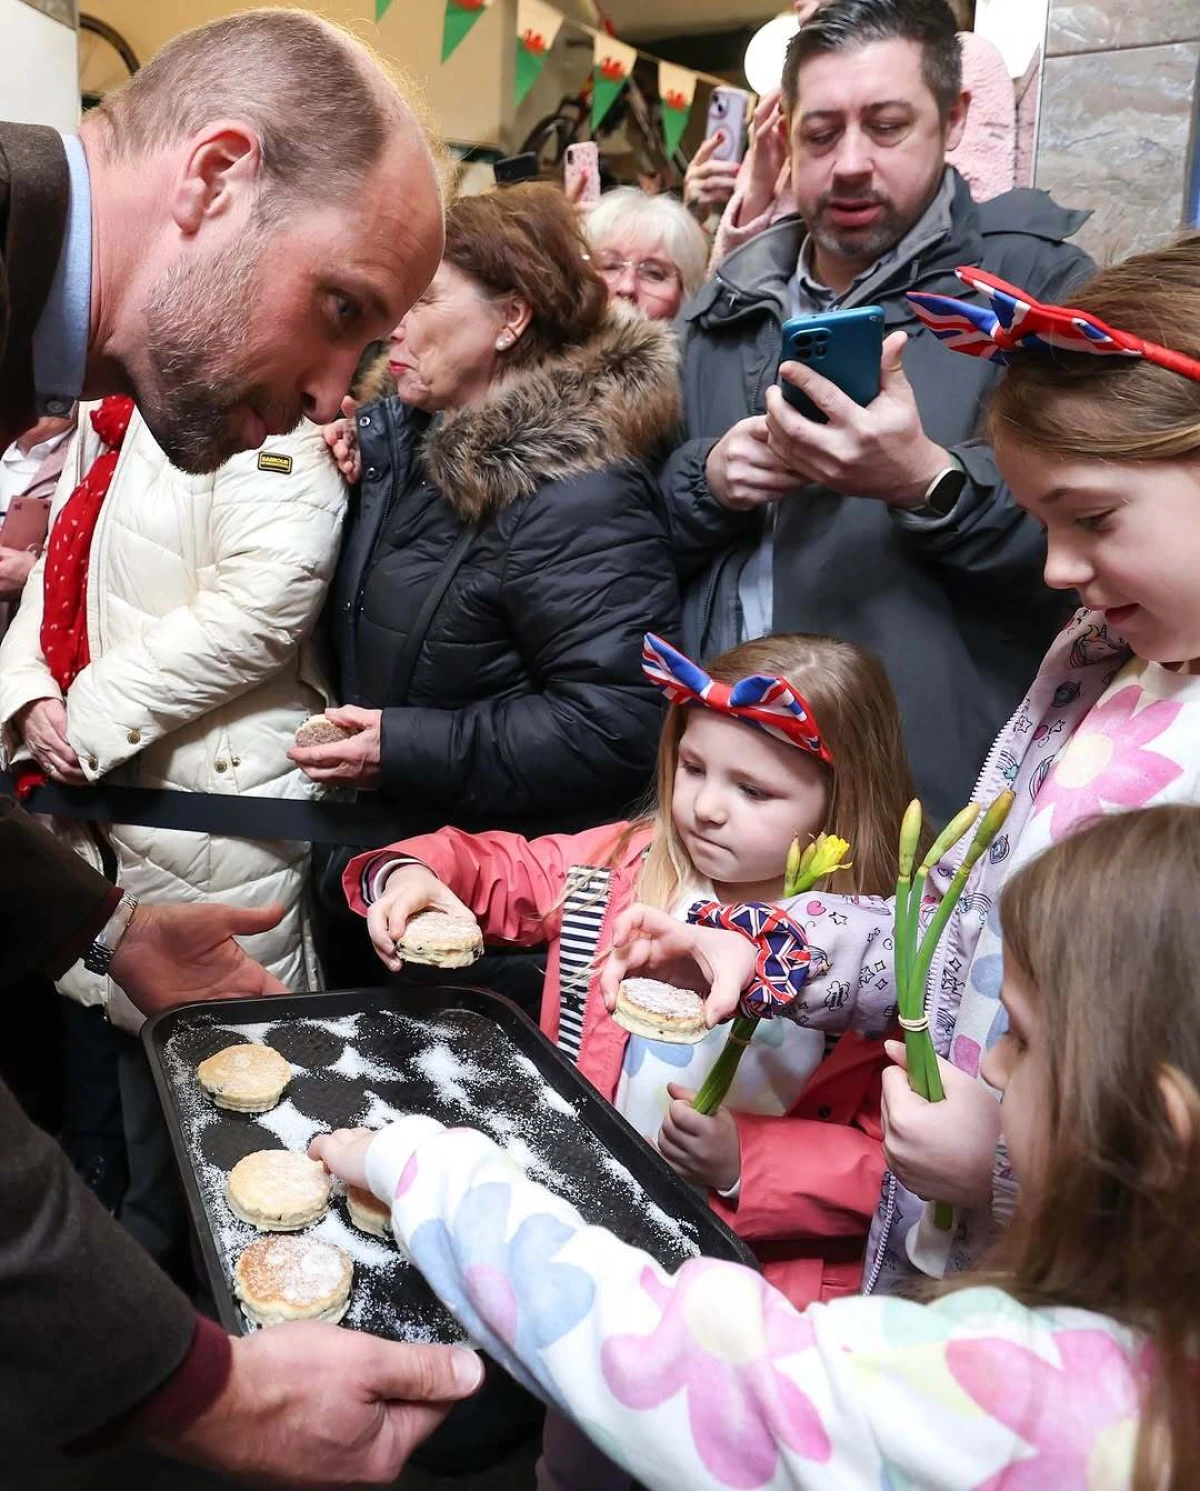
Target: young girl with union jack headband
[[781, 738], [1096, 429]]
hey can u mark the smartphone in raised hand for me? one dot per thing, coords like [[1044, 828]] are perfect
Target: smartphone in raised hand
[[844, 346], [727, 114]]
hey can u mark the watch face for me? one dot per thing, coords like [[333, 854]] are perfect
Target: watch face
[[947, 490]]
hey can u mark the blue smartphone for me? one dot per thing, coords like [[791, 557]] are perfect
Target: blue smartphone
[[844, 346]]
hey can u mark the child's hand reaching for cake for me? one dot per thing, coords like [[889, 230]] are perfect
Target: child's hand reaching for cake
[[716, 963], [344, 1154], [704, 1151], [411, 889]]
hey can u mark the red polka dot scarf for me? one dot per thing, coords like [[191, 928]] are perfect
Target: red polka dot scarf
[[64, 601], [64, 589]]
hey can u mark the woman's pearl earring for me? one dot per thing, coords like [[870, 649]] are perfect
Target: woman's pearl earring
[[504, 344]]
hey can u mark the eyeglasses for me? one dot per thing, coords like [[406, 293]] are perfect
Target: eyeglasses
[[652, 273]]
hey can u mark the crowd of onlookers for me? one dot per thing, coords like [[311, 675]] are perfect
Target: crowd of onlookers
[[567, 443], [604, 626]]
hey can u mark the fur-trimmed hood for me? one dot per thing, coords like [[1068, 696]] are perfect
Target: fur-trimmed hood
[[613, 399]]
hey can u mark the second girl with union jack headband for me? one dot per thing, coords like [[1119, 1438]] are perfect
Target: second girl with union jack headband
[[778, 738]]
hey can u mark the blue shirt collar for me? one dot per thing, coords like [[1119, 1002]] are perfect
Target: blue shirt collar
[[60, 339]]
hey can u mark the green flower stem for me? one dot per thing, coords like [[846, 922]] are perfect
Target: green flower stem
[[993, 821], [913, 962], [720, 1079], [799, 876]]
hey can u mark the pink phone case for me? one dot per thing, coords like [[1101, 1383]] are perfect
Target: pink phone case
[[727, 113], [583, 166], [25, 524]]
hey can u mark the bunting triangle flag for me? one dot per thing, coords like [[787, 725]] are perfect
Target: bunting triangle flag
[[676, 90], [537, 28], [381, 8], [461, 15], [612, 65]]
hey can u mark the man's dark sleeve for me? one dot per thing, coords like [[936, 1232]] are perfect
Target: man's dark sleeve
[[52, 904], [89, 1325]]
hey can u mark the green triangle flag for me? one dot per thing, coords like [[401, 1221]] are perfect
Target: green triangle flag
[[529, 67], [676, 90], [612, 64], [461, 15], [381, 8], [605, 92], [674, 122], [538, 25]]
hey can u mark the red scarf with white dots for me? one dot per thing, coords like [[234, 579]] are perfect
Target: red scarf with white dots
[[64, 601], [64, 636]]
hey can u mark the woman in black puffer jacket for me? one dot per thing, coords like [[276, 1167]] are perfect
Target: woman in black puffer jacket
[[506, 549]]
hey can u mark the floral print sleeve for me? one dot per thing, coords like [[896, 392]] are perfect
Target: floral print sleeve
[[709, 1379]]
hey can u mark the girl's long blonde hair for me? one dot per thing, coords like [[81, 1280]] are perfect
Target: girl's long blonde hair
[[1077, 405], [1103, 930], [870, 784]]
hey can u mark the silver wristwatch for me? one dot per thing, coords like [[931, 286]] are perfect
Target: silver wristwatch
[[98, 958]]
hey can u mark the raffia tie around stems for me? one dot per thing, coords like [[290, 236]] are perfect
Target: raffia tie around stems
[[914, 954], [825, 855]]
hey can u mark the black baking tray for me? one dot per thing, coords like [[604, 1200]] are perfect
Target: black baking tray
[[341, 1086]]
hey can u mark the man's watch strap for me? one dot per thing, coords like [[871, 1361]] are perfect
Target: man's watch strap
[[942, 493], [98, 958]]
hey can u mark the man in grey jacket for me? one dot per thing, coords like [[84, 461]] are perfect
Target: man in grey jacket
[[888, 526]]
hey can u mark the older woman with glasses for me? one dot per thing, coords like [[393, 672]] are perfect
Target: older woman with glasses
[[650, 251]]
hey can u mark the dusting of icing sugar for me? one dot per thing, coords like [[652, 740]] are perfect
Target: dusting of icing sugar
[[363, 1249], [345, 1026], [555, 1100], [286, 1122], [250, 1032], [300, 1270], [682, 1231], [448, 1072], [352, 1064], [379, 1114], [662, 999]]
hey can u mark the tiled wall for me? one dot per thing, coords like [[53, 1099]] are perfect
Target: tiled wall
[[1119, 102]]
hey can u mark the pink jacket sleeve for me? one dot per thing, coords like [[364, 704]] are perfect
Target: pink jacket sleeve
[[513, 885], [810, 1177]]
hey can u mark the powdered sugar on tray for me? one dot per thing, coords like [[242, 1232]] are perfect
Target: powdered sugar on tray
[[460, 1066], [286, 1122], [448, 1072], [363, 1249], [352, 1063], [379, 1114]]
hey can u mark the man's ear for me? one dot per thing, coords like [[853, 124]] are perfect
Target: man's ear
[[217, 169], [956, 120]]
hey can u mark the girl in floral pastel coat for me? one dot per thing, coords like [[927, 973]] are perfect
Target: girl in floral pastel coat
[[1104, 450], [1067, 1361]]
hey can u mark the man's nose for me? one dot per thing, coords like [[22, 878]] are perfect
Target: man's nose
[[327, 386], [854, 156]]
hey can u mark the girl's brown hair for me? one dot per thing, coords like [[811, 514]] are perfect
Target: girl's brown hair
[[1077, 405], [1103, 931], [869, 784], [526, 240]]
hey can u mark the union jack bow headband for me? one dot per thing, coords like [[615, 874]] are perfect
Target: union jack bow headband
[[769, 704], [1010, 319]]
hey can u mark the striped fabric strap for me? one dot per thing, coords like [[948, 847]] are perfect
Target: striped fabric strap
[[583, 913], [375, 871], [784, 961]]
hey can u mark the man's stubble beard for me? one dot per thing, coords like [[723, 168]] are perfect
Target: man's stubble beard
[[865, 249], [197, 314]]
